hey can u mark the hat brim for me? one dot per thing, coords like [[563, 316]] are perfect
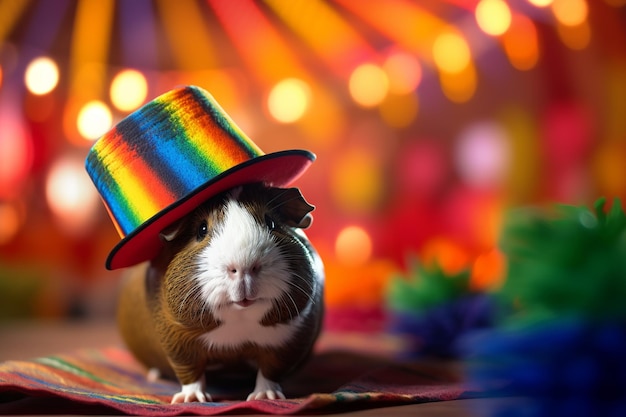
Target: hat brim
[[277, 169]]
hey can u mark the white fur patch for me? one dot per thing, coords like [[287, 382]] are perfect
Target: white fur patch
[[241, 326], [261, 274]]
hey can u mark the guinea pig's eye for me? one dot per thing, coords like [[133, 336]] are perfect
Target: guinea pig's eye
[[203, 230], [269, 222]]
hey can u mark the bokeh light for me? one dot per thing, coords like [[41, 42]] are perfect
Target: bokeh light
[[41, 76], [459, 87], [493, 16], [575, 37], [289, 100], [521, 43], [356, 181], [570, 12], [540, 3], [71, 196], [457, 75], [404, 72], [482, 154], [10, 221], [451, 52], [353, 246], [368, 85], [488, 271], [128, 90], [94, 120], [447, 254]]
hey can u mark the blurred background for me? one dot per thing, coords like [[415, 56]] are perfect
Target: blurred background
[[430, 120]]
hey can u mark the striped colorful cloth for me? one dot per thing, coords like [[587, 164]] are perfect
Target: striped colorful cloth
[[109, 380]]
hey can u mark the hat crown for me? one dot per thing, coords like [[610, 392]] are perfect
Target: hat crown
[[163, 152]]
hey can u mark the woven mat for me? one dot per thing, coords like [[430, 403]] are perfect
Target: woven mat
[[109, 380]]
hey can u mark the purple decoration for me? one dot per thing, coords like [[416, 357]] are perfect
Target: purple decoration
[[436, 331]]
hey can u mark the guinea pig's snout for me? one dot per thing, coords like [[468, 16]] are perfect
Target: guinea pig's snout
[[244, 285]]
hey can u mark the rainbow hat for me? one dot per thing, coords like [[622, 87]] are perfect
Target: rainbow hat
[[167, 158]]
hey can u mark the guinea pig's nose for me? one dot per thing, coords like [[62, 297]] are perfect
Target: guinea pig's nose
[[236, 272]]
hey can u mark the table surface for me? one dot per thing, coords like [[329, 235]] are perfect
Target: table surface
[[24, 340]]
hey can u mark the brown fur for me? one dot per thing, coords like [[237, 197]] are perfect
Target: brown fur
[[165, 336]]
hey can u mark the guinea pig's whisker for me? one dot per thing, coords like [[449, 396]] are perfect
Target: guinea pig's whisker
[[283, 303], [299, 288], [294, 305], [305, 282], [273, 287], [280, 316], [295, 258], [184, 300], [289, 257], [202, 312]]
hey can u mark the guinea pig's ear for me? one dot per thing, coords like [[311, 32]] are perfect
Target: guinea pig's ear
[[292, 207], [170, 232]]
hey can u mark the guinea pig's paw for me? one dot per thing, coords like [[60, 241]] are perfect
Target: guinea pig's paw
[[193, 392], [266, 390], [266, 395]]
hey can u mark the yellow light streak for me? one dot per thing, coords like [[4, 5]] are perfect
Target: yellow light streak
[[258, 42], [10, 12], [330, 36], [90, 47], [402, 21], [188, 34]]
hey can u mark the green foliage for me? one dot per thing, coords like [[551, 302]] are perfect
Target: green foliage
[[568, 262], [426, 287]]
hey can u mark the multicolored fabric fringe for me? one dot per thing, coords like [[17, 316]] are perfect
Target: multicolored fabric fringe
[[110, 380]]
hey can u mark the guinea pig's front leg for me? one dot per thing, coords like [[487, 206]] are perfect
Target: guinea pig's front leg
[[189, 369], [271, 365], [266, 389]]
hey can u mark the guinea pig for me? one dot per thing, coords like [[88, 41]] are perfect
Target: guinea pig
[[237, 281]]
